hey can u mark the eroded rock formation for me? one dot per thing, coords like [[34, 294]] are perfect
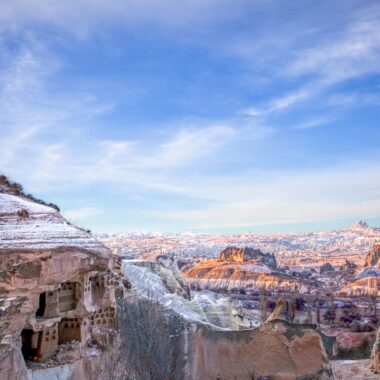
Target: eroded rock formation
[[373, 257], [240, 268], [57, 304], [278, 310], [248, 254], [367, 282]]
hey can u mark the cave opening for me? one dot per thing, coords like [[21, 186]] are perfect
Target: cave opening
[[42, 305], [29, 345]]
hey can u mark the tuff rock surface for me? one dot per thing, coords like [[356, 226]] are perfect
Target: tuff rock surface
[[373, 257], [57, 303], [248, 254]]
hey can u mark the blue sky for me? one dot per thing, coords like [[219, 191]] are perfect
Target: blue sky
[[214, 115]]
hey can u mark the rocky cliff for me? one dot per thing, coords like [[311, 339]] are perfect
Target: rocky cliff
[[57, 303], [373, 257]]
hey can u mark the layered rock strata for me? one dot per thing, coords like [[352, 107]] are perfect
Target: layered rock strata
[[241, 268]]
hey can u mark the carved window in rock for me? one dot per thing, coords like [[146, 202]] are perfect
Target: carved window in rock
[[68, 296], [104, 317], [39, 345], [69, 329], [29, 344], [41, 305]]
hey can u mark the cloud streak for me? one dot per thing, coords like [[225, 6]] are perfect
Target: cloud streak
[[272, 198], [224, 169], [339, 57]]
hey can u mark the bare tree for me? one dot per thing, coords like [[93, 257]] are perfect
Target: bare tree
[[149, 344], [263, 304]]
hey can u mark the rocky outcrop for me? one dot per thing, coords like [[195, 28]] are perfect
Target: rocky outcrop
[[238, 269], [373, 257], [244, 254], [217, 275], [57, 305], [278, 310]]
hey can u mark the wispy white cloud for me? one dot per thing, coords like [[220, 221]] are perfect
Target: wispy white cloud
[[270, 198], [88, 16], [353, 52], [340, 56], [82, 213], [313, 123], [46, 138], [37, 128]]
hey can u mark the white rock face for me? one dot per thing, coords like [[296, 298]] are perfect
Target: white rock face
[[150, 281]]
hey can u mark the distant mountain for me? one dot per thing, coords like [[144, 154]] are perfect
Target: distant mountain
[[293, 249]]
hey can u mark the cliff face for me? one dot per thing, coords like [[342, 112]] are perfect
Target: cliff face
[[57, 304], [373, 257]]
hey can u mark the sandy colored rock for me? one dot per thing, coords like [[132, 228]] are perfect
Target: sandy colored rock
[[278, 310], [373, 257], [276, 350]]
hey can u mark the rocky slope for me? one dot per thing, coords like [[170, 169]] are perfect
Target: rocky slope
[[57, 303], [373, 257]]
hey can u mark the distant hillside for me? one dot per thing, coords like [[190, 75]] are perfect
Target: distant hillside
[[313, 248]]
